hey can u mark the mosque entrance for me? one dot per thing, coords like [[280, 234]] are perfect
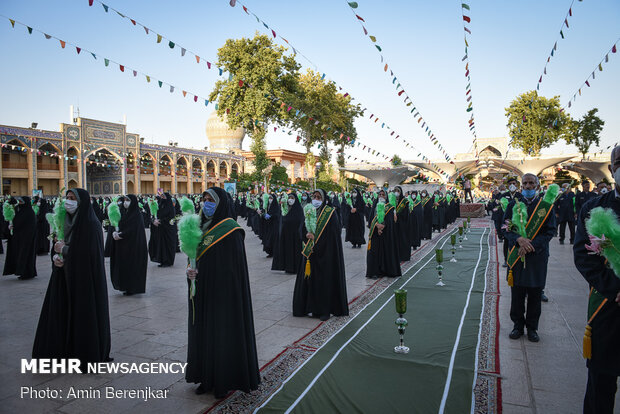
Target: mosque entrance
[[104, 173]]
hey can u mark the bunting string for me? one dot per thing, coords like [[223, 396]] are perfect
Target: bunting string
[[400, 89], [159, 37], [592, 76], [559, 37], [468, 94]]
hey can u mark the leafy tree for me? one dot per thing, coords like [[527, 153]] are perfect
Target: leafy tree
[[320, 100], [258, 69], [535, 122], [328, 185], [278, 174], [396, 161], [585, 132]]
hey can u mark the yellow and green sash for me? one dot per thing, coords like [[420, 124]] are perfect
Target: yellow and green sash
[[426, 200], [216, 234], [401, 205], [534, 223], [321, 222], [373, 223]]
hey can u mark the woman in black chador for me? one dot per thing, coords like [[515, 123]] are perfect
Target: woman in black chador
[[129, 256], [382, 256], [287, 256], [42, 245], [322, 292], [221, 351], [21, 259], [403, 237], [74, 321], [165, 245], [355, 225], [271, 225]]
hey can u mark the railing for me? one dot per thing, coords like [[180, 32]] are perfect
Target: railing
[[44, 166], [15, 165]]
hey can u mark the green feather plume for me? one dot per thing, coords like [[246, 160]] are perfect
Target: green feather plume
[[114, 214], [8, 211], [284, 205], [310, 218], [504, 203], [50, 219], [153, 206], [380, 213], [552, 193], [410, 200], [603, 222], [392, 198], [59, 217], [265, 201], [299, 197], [448, 197], [187, 205], [189, 234], [347, 197], [519, 217]]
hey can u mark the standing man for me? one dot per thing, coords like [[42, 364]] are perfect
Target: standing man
[[565, 213], [511, 195], [467, 189], [603, 306], [583, 196], [529, 268]]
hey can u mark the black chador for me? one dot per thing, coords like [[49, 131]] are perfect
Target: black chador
[[42, 245], [166, 243], [323, 291], [402, 225], [382, 256], [355, 225], [271, 225], [287, 256], [416, 221], [97, 209], [129, 259], [74, 321], [427, 207], [221, 350], [21, 259]]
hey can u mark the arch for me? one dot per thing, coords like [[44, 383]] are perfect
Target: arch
[[13, 157], [211, 168], [223, 169], [147, 163], [165, 165], [182, 165], [235, 168], [105, 150], [49, 147], [490, 151], [72, 159], [197, 168], [72, 184], [130, 187], [45, 161]]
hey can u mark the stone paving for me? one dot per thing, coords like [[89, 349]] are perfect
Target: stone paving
[[545, 377]]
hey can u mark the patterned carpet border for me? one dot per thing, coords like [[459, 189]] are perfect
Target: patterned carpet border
[[487, 391]]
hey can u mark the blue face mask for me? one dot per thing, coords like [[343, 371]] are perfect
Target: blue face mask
[[209, 208], [528, 193]]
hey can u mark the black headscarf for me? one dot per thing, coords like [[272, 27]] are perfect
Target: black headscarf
[[358, 203], [325, 202], [224, 208], [295, 212], [132, 212]]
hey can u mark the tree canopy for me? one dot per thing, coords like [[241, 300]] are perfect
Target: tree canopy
[[258, 68], [536, 122], [586, 131], [396, 161]]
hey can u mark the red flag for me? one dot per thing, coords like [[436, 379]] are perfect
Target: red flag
[[208, 64], [133, 21], [245, 9], [613, 49], [195, 98], [365, 31], [566, 22], [90, 2], [62, 43], [570, 11], [274, 33], [122, 68], [401, 92], [360, 18], [78, 50], [588, 83], [467, 19]]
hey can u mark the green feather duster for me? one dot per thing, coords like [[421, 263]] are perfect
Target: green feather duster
[[410, 200], [50, 219], [380, 213], [347, 197], [59, 217], [189, 234], [265, 201], [35, 207], [114, 214], [392, 198], [187, 205], [310, 218], [448, 197], [504, 203], [153, 206], [552, 193], [284, 205], [8, 211], [299, 197], [519, 217], [603, 222]]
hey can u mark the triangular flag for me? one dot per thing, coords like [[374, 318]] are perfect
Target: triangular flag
[[146, 29], [78, 50], [158, 38], [122, 68], [133, 21], [106, 61], [613, 49], [353, 5], [171, 88], [195, 98], [182, 51], [12, 23], [171, 44], [360, 18], [467, 19], [105, 7], [135, 73], [197, 59], [374, 39], [29, 29], [184, 94], [160, 83]]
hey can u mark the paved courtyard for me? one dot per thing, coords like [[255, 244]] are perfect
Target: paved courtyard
[[545, 377]]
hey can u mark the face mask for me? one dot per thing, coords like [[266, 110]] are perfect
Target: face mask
[[512, 188], [381, 200], [39, 204], [528, 193], [208, 208], [119, 202], [354, 196], [291, 201], [397, 193], [126, 204], [71, 206], [303, 197], [604, 190], [317, 203]]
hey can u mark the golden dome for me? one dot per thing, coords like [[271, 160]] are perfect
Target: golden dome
[[221, 137]]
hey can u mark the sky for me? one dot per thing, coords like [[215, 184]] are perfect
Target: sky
[[422, 41]]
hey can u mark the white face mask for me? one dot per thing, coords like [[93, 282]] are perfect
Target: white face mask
[[303, 197], [126, 204], [604, 190], [71, 206], [317, 203], [617, 177], [512, 188], [381, 200], [291, 201], [396, 193]]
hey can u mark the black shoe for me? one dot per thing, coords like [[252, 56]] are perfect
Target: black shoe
[[324, 317], [516, 334], [561, 241], [200, 390], [544, 298], [532, 335]]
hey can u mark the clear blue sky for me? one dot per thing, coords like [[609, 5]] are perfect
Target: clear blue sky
[[421, 40]]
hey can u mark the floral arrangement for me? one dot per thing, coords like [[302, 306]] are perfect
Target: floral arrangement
[[114, 214], [310, 218]]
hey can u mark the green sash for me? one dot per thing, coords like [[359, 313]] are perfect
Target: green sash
[[426, 200], [373, 223], [321, 222], [216, 234], [535, 222], [401, 205]]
